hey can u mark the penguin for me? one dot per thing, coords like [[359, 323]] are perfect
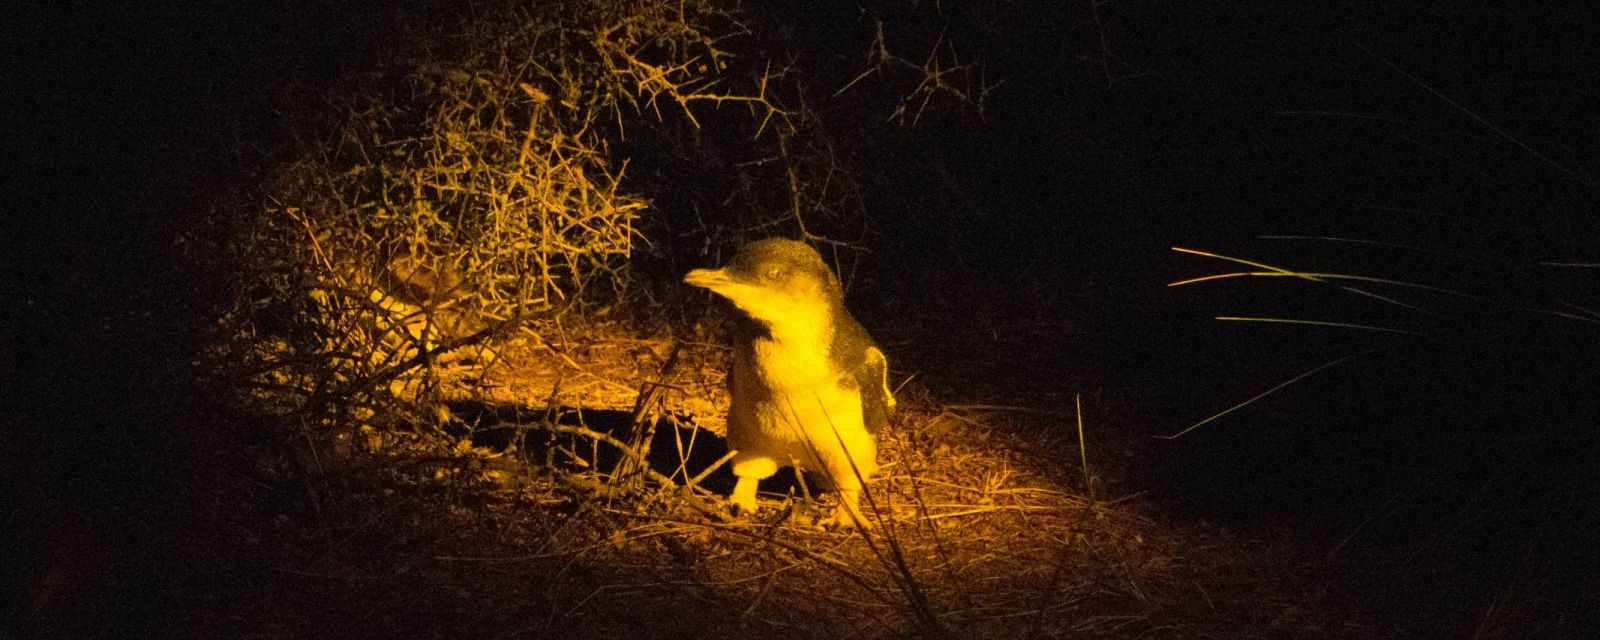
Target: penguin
[[808, 385]]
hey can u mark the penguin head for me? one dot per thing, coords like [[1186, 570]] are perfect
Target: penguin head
[[782, 284]]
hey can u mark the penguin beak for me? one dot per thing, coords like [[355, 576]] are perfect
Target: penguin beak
[[717, 280], [755, 301], [794, 303]]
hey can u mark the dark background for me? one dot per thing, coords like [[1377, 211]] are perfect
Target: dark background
[[1468, 132]]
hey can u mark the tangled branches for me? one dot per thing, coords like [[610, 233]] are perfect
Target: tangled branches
[[470, 189]]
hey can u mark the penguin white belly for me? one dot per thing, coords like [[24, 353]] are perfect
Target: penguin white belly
[[791, 406]]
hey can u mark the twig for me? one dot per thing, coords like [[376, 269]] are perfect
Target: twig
[[1261, 395]]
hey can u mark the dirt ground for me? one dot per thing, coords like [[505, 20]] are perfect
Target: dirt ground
[[986, 528]]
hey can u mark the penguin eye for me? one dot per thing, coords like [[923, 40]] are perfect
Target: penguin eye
[[773, 273]]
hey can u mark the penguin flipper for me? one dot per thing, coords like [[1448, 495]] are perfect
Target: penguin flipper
[[872, 378]]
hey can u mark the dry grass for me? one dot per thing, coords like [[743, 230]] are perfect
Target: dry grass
[[986, 532]]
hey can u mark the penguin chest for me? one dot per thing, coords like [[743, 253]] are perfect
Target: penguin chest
[[788, 369], [788, 396]]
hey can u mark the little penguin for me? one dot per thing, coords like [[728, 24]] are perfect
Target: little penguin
[[809, 387]]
